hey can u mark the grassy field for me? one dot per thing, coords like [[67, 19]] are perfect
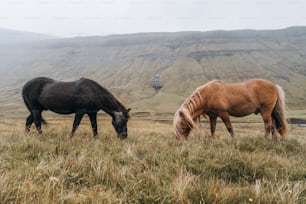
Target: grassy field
[[151, 166]]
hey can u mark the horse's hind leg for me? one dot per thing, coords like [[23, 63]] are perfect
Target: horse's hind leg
[[29, 122], [226, 120], [37, 120], [273, 130], [268, 123]]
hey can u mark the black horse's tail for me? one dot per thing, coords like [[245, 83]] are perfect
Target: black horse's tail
[[28, 107], [279, 113]]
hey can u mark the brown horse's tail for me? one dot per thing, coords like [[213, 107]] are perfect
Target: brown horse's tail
[[279, 113]]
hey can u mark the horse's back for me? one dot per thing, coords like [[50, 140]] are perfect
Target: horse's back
[[259, 82], [70, 92], [262, 89]]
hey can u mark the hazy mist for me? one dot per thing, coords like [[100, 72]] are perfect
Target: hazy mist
[[68, 18]]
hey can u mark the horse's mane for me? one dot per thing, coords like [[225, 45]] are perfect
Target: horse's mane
[[189, 112], [193, 103], [185, 116], [112, 98]]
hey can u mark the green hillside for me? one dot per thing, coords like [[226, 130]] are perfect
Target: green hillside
[[179, 62]]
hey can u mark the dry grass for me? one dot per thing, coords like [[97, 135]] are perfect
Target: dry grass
[[151, 166]]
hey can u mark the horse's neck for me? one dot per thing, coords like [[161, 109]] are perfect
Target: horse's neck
[[194, 105], [110, 112], [111, 106]]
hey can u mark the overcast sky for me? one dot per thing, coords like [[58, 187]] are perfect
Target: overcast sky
[[68, 18]]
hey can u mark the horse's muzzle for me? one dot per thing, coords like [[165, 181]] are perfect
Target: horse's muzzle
[[122, 135]]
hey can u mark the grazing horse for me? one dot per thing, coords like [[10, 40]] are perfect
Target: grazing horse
[[81, 97], [219, 99]]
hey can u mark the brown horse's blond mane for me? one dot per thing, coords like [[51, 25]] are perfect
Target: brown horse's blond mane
[[193, 103], [189, 111]]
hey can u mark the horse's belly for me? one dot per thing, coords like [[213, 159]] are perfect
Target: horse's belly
[[57, 105], [242, 111], [69, 107], [60, 109], [240, 114]]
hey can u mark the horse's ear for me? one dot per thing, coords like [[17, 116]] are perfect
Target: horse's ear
[[127, 113]]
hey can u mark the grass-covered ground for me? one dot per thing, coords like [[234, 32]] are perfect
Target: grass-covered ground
[[151, 166]]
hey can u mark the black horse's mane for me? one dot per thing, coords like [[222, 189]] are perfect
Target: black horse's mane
[[110, 96]]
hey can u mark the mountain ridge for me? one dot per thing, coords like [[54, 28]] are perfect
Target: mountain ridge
[[9, 36], [128, 64]]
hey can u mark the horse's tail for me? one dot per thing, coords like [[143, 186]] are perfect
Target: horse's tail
[[279, 113], [28, 107], [183, 123]]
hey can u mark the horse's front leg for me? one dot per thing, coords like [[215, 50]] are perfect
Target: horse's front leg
[[77, 119], [226, 120], [213, 123], [93, 121]]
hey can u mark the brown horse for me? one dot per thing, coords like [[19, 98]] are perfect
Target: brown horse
[[218, 99]]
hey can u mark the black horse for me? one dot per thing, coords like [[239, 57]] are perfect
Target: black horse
[[81, 97]]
